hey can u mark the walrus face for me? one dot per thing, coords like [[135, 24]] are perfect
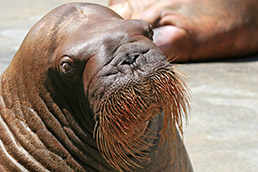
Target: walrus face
[[127, 81], [108, 74]]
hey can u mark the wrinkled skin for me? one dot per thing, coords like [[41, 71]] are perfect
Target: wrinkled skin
[[50, 93], [194, 30]]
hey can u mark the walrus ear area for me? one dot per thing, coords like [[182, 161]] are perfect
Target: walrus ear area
[[149, 33]]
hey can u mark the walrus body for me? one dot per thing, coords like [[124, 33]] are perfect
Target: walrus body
[[194, 30], [89, 91]]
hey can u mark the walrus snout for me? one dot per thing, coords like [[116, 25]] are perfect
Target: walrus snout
[[131, 63], [131, 59], [123, 112]]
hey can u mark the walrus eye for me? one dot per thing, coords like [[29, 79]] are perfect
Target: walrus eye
[[67, 66]]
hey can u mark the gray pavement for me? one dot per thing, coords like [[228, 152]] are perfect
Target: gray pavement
[[222, 135]]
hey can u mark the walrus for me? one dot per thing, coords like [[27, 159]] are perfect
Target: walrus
[[197, 30], [90, 91]]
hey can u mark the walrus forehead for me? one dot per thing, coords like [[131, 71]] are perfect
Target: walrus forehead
[[112, 31], [73, 24]]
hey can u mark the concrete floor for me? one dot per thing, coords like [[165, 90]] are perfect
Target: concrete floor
[[222, 135]]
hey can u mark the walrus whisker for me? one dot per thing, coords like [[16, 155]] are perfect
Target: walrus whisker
[[121, 157], [122, 115], [177, 101], [135, 144]]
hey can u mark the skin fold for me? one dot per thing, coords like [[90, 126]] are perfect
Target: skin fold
[[90, 91], [197, 30]]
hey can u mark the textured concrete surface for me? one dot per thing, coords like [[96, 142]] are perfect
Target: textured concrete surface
[[222, 135]]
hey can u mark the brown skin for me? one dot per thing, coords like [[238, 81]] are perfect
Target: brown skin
[[71, 61], [194, 30]]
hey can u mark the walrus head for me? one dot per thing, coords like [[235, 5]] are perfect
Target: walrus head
[[102, 74]]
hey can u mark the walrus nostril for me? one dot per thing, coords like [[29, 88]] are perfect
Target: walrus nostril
[[131, 58]]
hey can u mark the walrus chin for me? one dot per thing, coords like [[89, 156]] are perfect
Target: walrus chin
[[122, 116]]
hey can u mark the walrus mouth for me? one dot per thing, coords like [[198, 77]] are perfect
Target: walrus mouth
[[122, 116]]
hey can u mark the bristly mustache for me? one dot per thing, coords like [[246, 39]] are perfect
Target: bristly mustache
[[121, 117]]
